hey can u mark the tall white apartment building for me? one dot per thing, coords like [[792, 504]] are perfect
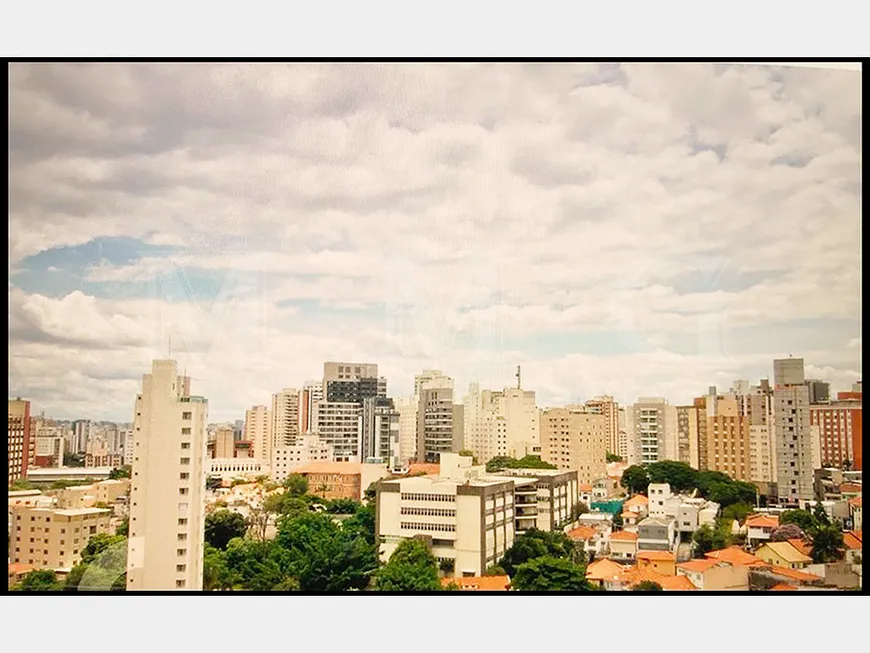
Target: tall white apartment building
[[311, 395], [793, 438], [653, 430], [607, 406], [407, 408], [503, 423], [285, 417], [380, 431], [128, 447], [81, 434], [257, 431], [167, 497]]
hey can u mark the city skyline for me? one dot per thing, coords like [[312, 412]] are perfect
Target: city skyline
[[634, 230]]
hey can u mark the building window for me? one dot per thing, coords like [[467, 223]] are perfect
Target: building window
[[180, 568], [186, 416], [179, 583], [182, 521], [184, 476], [185, 445], [182, 552], [182, 491], [185, 461]]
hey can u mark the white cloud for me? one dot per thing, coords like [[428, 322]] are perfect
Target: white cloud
[[409, 210]]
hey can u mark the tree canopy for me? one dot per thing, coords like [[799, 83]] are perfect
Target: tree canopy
[[535, 544], [635, 479], [411, 568], [613, 458], [296, 485], [470, 454], [801, 518], [222, 526], [787, 532], [124, 471], [707, 539], [39, 580], [680, 476], [103, 565], [828, 545], [647, 586], [526, 462], [549, 574]]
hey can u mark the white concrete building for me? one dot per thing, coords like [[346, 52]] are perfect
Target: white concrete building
[[470, 523], [407, 407], [257, 431], [652, 429], [658, 494], [793, 438], [285, 417], [167, 499], [128, 447], [230, 468], [339, 424], [308, 449]]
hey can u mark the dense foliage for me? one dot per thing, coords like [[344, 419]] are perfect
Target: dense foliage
[[38, 580], [635, 479], [411, 568], [296, 485], [124, 471], [222, 526], [647, 586], [526, 462], [708, 538], [535, 544], [549, 574], [613, 458], [103, 565], [711, 485]]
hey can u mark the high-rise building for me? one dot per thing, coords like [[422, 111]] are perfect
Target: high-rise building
[[128, 447], [407, 408], [837, 431], [308, 449], [257, 431], [285, 417], [792, 436], [622, 445], [167, 498], [575, 438], [652, 428], [224, 442], [62, 534], [82, 432], [501, 423], [380, 431], [819, 391], [687, 436], [18, 439], [727, 439], [435, 427], [608, 407], [312, 394], [339, 414], [339, 425]]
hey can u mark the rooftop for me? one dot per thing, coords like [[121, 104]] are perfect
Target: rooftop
[[801, 545], [783, 587], [327, 467], [19, 568], [479, 583], [852, 540], [582, 533], [625, 536], [699, 566], [656, 555], [794, 574], [735, 556], [762, 521], [787, 552], [603, 569], [855, 502], [636, 500]]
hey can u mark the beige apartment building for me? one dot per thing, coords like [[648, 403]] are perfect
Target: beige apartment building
[[256, 431], [285, 417], [224, 442], [607, 406], [575, 439], [50, 538], [86, 496], [167, 499], [308, 449], [470, 522], [727, 439], [792, 434], [19, 442], [407, 407]]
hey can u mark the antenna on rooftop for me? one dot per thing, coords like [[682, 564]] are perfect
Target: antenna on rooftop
[[519, 379]]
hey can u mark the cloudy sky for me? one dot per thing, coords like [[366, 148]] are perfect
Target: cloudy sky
[[638, 230]]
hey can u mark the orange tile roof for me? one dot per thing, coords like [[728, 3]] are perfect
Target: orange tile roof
[[604, 569], [426, 468], [804, 547], [630, 515], [849, 487], [19, 568], [582, 533], [783, 587], [851, 540], [326, 467], [762, 521], [855, 502], [676, 583], [736, 557], [479, 583], [626, 536], [636, 500], [655, 555], [794, 574], [698, 566], [586, 487]]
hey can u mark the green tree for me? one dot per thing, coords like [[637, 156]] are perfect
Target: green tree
[[296, 485], [494, 570], [323, 555], [578, 509], [802, 518], [536, 544], [680, 476], [821, 515], [549, 574], [447, 566], [213, 482], [635, 479], [123, 529], [21, 484], [613, 458], [707, 539], [222, 526], [737, 511], [469, 454], [253, 565], [618, 522], [411, 568], [39, 580], [73, 460], [827, 544], [363, 523], [124, 471], [647, 586], [703, 480], [103, 565], [526, 462], [216, 575], [343, 507]]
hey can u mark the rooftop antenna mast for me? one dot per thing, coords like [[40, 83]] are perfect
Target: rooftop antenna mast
[[519, 379]]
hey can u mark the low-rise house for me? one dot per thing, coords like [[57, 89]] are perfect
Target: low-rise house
[[585, 490], [855, 512], [787, 576], [599, 520], [638, 504], [711, 574], [601, 572], [657, 534], [783, 554], [759, 528], [658, 494], [736, 557], [630, 520], [853, 543], [17, 571], [623, 545], [479, 583], [593, 541], [662, 562], [630, 576]]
